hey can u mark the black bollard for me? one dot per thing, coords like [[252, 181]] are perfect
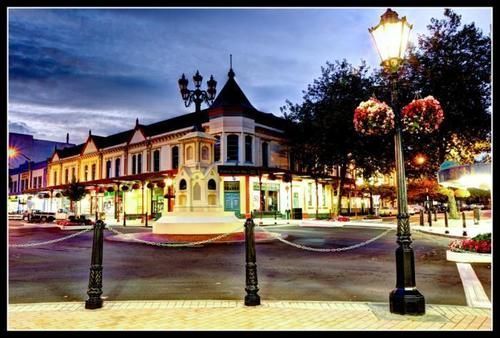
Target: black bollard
[[275, 213], [429, 217], [95, 278], [446, 222], [124, 218], [421, 217], [463, 223], [146, 220], [252, 298], [435, 215]]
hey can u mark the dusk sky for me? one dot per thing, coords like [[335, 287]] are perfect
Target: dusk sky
[[71, 70]]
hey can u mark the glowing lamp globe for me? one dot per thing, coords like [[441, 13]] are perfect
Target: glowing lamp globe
[[391, 38]]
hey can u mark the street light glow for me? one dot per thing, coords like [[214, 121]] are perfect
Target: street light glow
[[391, 38], [419, 159], [12, 152]]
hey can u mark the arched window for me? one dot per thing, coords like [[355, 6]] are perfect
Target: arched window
[[248, 148], [86, 173], [232, 148], [189, 153], [217, 149], [196, 192], [265, 155], [93, 171], [182, 185], [156, 160], [117, 167], [211, 184], [66, 175], [175, 157], [73, 177], [204, 153]]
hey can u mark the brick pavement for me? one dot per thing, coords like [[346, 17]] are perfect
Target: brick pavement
[[233, 315]]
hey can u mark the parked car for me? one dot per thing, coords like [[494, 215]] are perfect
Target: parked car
[[64, 214], [387, 211], [73, 220], [38, 216], [17, 215], [414, 209], [343, 219], [480, 206]]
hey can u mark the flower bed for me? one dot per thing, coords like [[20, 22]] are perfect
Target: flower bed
[[480, 244]]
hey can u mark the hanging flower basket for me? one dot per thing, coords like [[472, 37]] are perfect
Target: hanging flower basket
[[136, 186], [271, 177], [64, 193], [101, 190], [373, 117], [46, 195], [110, 189], [160, 184], [58, 195], [422, 116], [40, 196], [151, 185], [87, 191], [125, 188]]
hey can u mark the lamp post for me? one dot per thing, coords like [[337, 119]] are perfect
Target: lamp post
[[197, 95], [391, 38], [13, 152]]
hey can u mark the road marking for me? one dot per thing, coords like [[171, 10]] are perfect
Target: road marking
[[474, 291]]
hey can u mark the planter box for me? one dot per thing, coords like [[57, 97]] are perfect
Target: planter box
[[468, 257]]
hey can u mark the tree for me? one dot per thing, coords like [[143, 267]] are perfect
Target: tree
[[321, 132], [453, 64], [75, 192]]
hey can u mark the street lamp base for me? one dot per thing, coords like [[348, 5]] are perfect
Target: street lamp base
[[93, 303], [407, 302], [252, 300]]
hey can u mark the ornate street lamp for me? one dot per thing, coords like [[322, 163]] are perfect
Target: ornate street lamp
[[13, 152], [391, 38], [197, 96]]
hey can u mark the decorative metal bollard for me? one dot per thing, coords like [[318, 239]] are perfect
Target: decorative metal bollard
[[429, 217], [95, 278], [446, 222], [464, 233], [124, 219], [251, 298], [421, 217], [435, 215], [146, 220]]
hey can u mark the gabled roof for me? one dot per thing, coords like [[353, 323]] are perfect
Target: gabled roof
[[70, 151], [232, 95]]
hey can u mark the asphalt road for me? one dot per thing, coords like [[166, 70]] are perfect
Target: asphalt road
[[134, 271]]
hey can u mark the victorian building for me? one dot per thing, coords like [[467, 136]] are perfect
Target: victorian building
[[230, 157]]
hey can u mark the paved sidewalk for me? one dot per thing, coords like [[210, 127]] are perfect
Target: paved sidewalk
[[233, 315]]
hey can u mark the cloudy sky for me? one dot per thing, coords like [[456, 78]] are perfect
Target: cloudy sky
[[71, 70]]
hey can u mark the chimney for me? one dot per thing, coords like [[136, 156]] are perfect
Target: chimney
[[67, 138], [90, 132], [136, 122]]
